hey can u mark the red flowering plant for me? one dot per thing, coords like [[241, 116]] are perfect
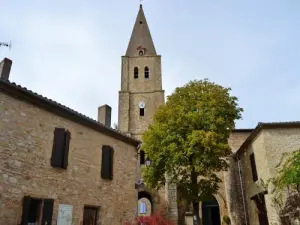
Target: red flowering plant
[[154, 219]]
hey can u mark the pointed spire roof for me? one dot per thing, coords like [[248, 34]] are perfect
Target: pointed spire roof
[[141, 39]]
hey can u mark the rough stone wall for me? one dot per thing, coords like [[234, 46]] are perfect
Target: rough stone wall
[[25, 150], [268, 147], [253, 188], [277, 142], [236, 139], [123, 116], [134, 91], [171, 198], [233, 191]]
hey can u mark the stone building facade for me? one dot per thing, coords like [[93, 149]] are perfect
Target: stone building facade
[[142, 93], [94, 181], [54, 160], [258, 156]]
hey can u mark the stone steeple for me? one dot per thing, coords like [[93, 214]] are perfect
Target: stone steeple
[[141, 81], [141, 40]]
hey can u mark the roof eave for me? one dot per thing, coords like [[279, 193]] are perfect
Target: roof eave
[[63, 111]]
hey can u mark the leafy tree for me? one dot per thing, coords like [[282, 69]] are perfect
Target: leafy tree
[[187, 142]]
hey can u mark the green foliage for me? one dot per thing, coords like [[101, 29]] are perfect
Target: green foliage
[[188, 139], [289, 171], [288, 177]]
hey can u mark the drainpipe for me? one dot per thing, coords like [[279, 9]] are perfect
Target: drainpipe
[[242, 189]]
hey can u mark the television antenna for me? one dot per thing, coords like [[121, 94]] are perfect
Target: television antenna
[[6, 44]]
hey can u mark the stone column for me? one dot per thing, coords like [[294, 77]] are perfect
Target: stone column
[[171, 197]]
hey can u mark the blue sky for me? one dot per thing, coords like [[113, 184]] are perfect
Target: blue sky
[[70, 51]]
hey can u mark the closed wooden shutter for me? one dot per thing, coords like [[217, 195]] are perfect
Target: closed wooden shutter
[[66, 149], [47, 212], [107, 162], [111, 162], [58, 147], [25, 212]]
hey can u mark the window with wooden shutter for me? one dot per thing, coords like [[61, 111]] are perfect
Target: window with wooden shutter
[[253, 167], [107, 162], [66, 149], [37, 211], [25, 211], [60, 150], [47, 211]]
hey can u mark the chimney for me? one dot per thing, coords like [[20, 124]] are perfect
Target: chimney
[[5, 67], [104, 115]]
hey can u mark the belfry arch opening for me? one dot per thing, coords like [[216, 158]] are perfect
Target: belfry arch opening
[[145, 204], [210, 212], [136, 73]]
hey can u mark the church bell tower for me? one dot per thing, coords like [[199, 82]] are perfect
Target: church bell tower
[[141, 81]]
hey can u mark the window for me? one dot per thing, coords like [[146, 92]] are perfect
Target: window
[[60, 150], [90, 215], [146, 72], [142, 112], [143, 208], [107, 162], [142, 157], [253, 167], [261, 208], [37, 211], [136, 73]]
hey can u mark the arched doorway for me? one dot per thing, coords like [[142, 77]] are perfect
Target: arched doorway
[[144, 204], [211, 212]]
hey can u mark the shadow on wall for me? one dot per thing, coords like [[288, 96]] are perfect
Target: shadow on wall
[[290, 214]]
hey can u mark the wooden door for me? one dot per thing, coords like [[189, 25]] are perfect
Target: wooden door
[[90, 216]]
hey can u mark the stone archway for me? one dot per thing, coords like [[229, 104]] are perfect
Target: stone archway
[[210, 212], [145, 204]]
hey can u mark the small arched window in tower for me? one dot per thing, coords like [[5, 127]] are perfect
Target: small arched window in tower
[[146, 72], [136, 73]]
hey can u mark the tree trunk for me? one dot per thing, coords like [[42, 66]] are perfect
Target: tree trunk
[[196, 217]]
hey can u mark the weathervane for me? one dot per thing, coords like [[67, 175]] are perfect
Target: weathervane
[[5, 44]]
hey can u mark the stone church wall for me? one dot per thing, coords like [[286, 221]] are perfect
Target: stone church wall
[[232, 178], [25, 150], [267, 147]]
